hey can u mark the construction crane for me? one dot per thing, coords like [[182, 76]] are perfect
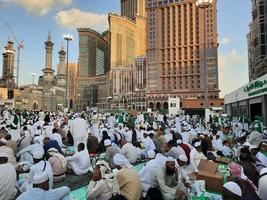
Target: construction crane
[[20, 45]]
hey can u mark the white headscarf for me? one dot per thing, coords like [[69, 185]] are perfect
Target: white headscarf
[[233, 187], [121, 161], [54, 152]]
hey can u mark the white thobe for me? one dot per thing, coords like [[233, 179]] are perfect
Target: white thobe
[[195, 158], [98, 190], [80, 162], [149, 145], [178, 125], [130, 152], [7, 181], [26, 153], [175, 152], [147, 173], [186, 136], [58, 138], [128, 136], [9, 153], [261, 157], [226, 151], [79, 132], [217, 145]]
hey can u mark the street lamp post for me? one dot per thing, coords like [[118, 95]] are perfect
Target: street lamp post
[[204, 4], [68, 38]]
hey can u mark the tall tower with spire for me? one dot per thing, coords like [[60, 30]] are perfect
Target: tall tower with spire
[[48, 72], [8, 65], [61, 71]]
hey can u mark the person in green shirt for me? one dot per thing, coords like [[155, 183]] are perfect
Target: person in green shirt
[[257, 124]]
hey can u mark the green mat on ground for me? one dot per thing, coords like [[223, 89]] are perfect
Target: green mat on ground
[[80, 194]]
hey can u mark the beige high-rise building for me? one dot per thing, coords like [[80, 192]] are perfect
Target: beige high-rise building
[[128, 40], [133, 8], [175, 40]]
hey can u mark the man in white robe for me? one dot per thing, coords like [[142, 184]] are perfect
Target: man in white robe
[[42, 191], [195, 156], [7, 178], [79, 131], [80, 162]]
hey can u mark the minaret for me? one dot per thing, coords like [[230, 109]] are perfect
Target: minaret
[[8, 65], [48, 72], [61, 71]]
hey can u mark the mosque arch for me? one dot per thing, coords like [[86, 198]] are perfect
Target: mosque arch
[[158, 105], [151, 105], [165, 105]]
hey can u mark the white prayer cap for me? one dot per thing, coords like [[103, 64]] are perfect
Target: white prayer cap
[[197, 144], [52, 150], [170, 159], [126, 128], [151, 154], [104, 166], [233, 187], [40, 177], [183, 158], [3, 141], [202, 136], [38, 155], [121, 161], [107, 142], [179, 141], [253, 147]]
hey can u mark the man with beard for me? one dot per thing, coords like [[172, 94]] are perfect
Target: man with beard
[[166, 180]]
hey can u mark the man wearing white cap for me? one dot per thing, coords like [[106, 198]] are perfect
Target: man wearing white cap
[[166, 180], [80, 162], [7, 178], [195, 156], [40, 166], [129, 151], [7, 151], [58, 163], [111, 151], [24, 140], [128, 179], [181, 161], [231, 191], [41, 191]]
